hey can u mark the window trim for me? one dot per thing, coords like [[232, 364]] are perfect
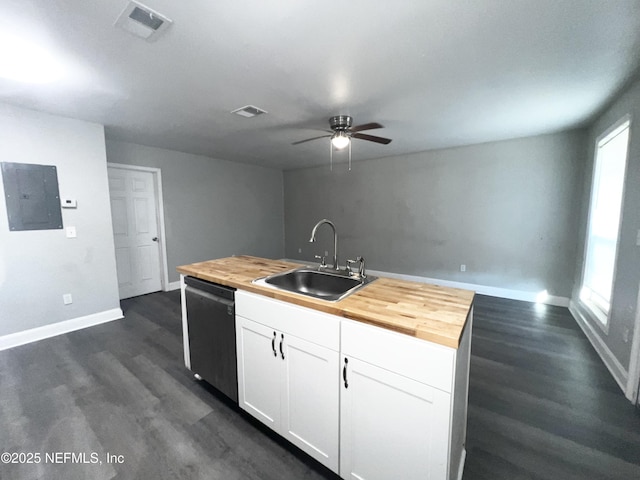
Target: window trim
[[601, 318]]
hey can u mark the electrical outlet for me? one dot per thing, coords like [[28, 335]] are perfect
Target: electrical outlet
[[66, 298], [638, 238], [463, 267], [299, 250], [326, 253], [625, 335], [71, 232]]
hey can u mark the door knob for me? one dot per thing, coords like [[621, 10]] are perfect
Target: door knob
[[155, 239]]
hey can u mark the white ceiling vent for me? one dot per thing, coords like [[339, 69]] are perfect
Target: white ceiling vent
[[248, 111], [142, 21]]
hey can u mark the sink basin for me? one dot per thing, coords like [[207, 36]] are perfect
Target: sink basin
[[324, 285]]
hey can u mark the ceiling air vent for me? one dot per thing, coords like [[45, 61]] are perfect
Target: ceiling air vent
[[142, 21], [248, 111]]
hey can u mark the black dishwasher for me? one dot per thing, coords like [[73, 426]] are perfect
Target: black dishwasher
[[212, 334]]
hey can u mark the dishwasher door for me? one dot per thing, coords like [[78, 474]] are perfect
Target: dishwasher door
[[212, 334]]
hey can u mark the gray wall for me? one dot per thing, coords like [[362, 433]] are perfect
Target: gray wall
[[213, 208], [508, 210], [627, 280], [38, 267]]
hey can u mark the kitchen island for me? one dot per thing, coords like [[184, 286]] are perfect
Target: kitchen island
[[429, 312], [373, 386]]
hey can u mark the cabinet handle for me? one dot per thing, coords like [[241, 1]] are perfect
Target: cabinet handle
[[281, 342], [344, 373], [273, 345]]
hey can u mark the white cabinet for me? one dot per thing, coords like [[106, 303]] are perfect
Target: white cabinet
[[391, 426], [288, 369], [310, 399], [398, 400], [259, 371], [368, 403]]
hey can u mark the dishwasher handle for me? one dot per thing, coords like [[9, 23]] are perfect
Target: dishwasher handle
[[230, 304], [210, 287]]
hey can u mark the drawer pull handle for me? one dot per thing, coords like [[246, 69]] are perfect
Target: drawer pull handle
[[344, 373], [281, 342], [273, 345]]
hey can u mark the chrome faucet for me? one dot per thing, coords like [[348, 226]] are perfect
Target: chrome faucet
[[335, 240]]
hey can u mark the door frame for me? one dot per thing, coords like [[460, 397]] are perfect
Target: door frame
[[157, 181], [633, 375]]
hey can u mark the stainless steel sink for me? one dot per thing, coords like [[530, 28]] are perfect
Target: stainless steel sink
[[321, 284]]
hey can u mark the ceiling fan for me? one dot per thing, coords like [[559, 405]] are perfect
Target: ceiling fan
[[342, 132]]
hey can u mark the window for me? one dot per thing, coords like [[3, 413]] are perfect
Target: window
[[604, 219]]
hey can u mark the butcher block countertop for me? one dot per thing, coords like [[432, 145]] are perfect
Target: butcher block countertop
[[425, 311]]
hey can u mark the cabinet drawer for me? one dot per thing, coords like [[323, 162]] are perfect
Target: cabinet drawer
[[420, 360], [316, 327]]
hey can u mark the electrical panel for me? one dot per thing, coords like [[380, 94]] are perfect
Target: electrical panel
[[32, 196]]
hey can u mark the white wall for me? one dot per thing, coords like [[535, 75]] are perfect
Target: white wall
[[38, 267], [507, 210], [213, 208]]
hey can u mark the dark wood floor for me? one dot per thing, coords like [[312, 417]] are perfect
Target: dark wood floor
[[541, 405]]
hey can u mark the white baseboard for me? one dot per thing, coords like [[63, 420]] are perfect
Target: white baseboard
[[608, 358], [173, 286], [48, 331], [481, 289], [633, 377], [463, 456]]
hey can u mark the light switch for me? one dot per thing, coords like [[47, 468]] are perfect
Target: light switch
[[71, 232], [638, 238], [66, 299]]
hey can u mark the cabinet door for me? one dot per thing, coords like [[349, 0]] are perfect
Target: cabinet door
[[310, 399], [391, 426], [259, 371]]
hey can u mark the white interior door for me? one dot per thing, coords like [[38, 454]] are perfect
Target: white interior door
[[135, 231]]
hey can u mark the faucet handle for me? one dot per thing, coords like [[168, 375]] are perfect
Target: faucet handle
[[349, 263], [361, 270], [322, 260]]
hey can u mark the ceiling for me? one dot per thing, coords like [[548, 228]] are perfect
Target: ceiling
[[435, 73]]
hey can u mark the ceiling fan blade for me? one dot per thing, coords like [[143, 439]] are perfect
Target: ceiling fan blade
[[372, 138], [366, 126], [309, 139]]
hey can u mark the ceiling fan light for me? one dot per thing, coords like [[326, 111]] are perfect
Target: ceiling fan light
[[340, 140]]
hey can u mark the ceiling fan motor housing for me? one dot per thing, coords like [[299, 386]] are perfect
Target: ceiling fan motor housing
[[343, 131], [340, 122]]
